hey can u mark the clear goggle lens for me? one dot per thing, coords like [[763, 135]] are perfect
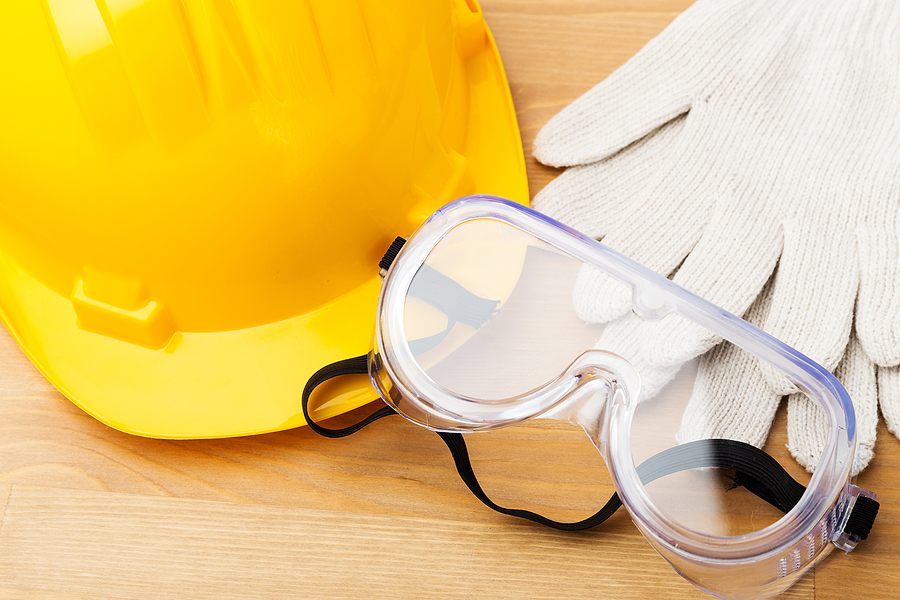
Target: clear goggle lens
[[491, 330]]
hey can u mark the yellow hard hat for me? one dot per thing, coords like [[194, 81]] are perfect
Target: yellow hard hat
[[194, 194]]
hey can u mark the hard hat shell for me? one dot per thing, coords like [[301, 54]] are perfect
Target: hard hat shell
[[194, 194]]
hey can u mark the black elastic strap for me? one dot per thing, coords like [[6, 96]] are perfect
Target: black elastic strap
[[457, 446], [862, 517], [350, 366], [451, 299], [454, 441], [749, 461], [755, 470]]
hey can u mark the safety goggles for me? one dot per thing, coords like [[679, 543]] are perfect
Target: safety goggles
[[476, 330]]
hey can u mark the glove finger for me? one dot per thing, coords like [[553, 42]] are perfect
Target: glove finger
[[735, 258], [731, 399], [878, 306], [656, 85], [729, 266], [654, 379], [598, 297], [659, 240], [889, 397], [692, 216], [610, 196], [808, 425], [595, 199], [813, 295], [625, 337]]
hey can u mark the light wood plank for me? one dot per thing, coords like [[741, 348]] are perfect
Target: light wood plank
[[12, 593], [128, 546]]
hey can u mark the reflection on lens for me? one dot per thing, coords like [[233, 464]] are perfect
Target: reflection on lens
[[710, 501], [499, 327]]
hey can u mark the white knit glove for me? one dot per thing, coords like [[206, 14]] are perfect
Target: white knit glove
[[750, 134]]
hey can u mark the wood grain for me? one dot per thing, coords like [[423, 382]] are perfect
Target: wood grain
[[121, 545], [90, 512]]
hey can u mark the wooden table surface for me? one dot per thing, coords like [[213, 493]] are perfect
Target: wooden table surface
[[90, 512]]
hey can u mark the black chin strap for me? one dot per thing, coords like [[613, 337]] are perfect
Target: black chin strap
[[755, 470]]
